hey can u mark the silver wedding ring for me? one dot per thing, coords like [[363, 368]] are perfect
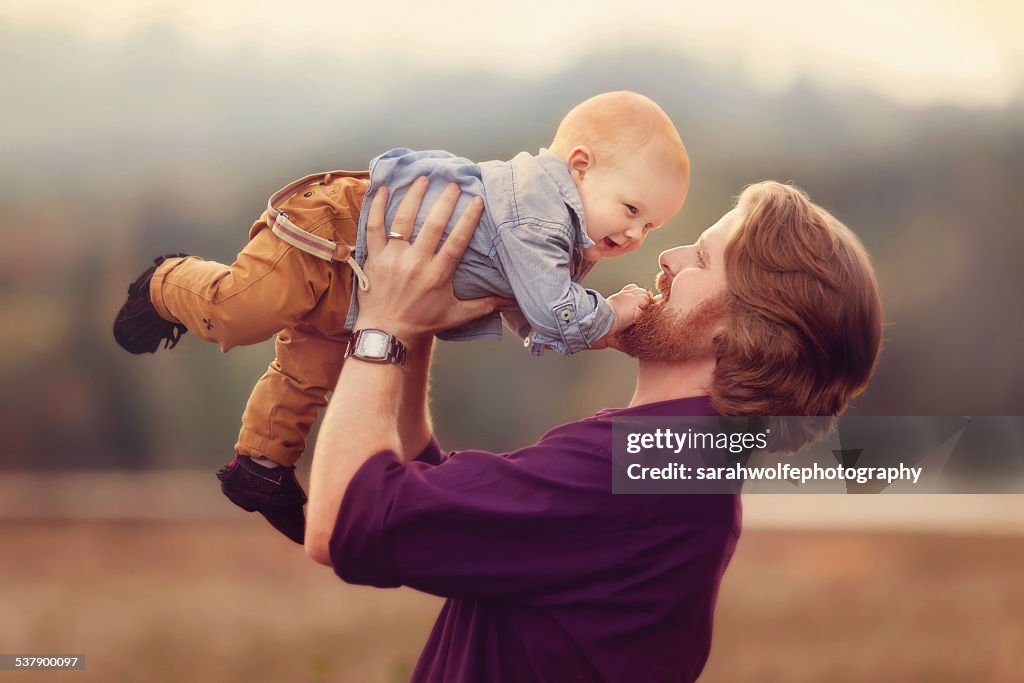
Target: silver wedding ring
[[397, 236]]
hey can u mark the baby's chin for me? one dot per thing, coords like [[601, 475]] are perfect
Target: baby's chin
[[593, 253]]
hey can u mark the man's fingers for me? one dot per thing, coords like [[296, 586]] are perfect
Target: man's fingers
[[375, 240], [501, 302], [405, 216], [460, 235], [471, 309], [440, 213]]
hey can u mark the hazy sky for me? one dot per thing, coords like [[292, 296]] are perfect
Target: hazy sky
[[915, 51]]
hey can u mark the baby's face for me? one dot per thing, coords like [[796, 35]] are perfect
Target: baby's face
[[622, 203]]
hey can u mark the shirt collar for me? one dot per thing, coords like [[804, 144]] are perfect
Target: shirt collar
[[690, 406], [558, 171]]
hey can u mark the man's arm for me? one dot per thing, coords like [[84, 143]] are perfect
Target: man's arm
[[375, 407], [382, 407]]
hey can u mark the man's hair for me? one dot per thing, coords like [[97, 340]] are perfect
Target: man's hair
[[614, 125], [804, 323]]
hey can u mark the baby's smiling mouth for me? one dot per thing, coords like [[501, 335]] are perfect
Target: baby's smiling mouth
[[609, 243]]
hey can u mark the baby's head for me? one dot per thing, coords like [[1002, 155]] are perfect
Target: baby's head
[[629, 165]]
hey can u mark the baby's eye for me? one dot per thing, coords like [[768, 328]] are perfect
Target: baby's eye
[[632, 209]]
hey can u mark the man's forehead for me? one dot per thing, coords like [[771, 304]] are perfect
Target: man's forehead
[[719, 233]]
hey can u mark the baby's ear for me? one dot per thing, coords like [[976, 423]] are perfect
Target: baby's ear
[[580, 160]]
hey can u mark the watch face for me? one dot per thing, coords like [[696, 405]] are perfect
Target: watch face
[[372, 344]]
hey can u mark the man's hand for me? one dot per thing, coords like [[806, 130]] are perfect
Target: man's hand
[[626, 303], [410, 293]]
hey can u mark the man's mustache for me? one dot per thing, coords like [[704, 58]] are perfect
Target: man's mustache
[[663, 284]]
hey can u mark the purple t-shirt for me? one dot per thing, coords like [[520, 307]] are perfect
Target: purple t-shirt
[[548, 576]]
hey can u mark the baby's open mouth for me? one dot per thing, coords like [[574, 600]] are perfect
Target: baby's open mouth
[[609, 243]]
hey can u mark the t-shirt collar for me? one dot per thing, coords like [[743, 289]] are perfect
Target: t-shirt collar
[[690, 406]]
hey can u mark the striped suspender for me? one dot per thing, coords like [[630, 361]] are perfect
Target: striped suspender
[[306, 241]]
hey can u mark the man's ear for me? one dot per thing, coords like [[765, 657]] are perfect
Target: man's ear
[[580, 160], [719, 331]]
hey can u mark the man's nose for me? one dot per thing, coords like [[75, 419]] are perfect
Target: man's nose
[[669, 260]]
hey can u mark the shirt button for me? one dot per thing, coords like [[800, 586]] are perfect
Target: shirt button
[[565, 314]]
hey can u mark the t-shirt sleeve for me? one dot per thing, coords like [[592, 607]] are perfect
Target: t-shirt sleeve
[[529, 524]]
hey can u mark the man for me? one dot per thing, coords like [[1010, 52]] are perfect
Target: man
[[774, 311]]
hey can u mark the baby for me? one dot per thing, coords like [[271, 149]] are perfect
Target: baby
[[615, 170]]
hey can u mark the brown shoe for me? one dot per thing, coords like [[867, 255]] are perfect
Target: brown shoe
[[274, 492], [138, 328]]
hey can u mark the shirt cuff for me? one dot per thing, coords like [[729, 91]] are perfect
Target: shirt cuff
[[577, 333], [432, 453], [357, 549]]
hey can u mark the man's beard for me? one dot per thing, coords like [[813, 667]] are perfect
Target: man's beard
[[665, 335]]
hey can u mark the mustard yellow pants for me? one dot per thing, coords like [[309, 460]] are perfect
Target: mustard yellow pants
[[273, 287]]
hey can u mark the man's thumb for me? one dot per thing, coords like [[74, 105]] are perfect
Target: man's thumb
[[475, 308]]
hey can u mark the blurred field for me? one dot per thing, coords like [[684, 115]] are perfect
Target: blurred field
[[228, 601]]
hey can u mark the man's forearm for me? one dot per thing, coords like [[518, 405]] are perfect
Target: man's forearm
[[414, 425], [375, 407], [378, 407]]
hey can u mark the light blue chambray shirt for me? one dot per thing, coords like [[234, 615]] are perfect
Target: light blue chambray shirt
[[528, 245]]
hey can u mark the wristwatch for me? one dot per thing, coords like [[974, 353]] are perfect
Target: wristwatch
[[376, 346]]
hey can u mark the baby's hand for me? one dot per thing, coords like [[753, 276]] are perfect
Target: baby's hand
[[626, 303]]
